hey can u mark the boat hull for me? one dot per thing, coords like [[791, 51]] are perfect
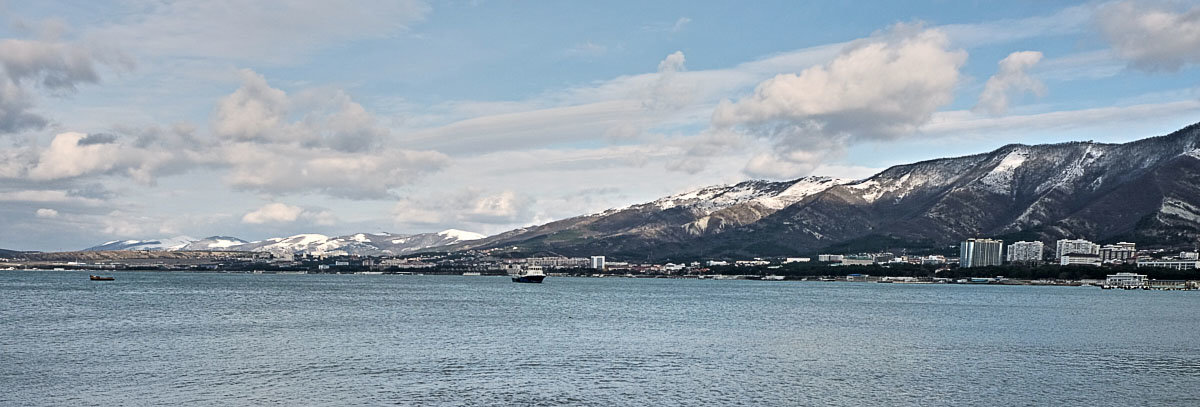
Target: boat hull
[[528, 279], [99, 278]]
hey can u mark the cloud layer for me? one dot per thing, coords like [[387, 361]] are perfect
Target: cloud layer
[[1150, 36]]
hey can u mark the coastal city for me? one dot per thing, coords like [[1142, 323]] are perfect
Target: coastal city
[[1076, 262]]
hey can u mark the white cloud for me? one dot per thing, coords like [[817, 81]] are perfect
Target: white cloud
[[469, 205], [1150, 36], [333, 146], [680, 24], [46, 213], [1010, 78], [273, 213], [668, 91], [121, 223], [880, 88], [502, 207], [282, 169], [76, 154], [256, 112]]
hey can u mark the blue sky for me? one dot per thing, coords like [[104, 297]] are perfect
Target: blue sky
[[150, 119]]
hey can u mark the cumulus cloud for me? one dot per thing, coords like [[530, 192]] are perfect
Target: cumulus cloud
[[668, 91], [276, 212], [333, 145], [273, 213], [1150, 36], [256, 112], [76, 154], [46, 213], [502, 207], [879, 88], [1010, 78]]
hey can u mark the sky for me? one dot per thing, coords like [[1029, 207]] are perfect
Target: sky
[[145, 119]]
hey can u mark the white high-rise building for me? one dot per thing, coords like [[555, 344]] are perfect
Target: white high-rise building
[[1075, 246], [1025, 252], [980, 252], [1119, 252], [598, 262]]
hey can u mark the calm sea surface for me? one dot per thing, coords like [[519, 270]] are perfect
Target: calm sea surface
[[229, 339]]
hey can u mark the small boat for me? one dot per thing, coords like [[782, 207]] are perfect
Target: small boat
[[101, 278], [531, 274]]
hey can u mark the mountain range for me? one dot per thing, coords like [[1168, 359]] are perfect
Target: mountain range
[[1145, 191], [356, 244]]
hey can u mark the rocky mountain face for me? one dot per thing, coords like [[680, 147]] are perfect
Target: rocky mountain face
[[1146, 191], [360, 244]]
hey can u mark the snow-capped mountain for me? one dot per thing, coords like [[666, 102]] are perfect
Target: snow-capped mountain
[[174, 243], [663, 224], [214, 243], [1146, 191], [360, 243]]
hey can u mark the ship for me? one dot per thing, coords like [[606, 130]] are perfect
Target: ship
[[101, 278], [531, 274]]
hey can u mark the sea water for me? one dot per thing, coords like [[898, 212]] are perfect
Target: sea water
[[158, 338]]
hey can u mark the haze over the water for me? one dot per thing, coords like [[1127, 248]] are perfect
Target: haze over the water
[[127, 120]]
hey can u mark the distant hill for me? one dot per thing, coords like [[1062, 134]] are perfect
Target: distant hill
[[12, 253]]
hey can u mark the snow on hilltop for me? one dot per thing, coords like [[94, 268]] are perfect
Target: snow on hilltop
[[773, 195], [308, 243], [173, 243], [460, 235]]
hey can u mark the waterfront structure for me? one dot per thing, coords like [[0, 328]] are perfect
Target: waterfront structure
[[1080, 260], [1125, 280], [559, 262], [797, 260], [1118, 253], [1189, 255], [598, 262], [830, 258], [858, 260], [980, 252], [1170, 264], [933, 259], [1026, 252], [1075, 246]]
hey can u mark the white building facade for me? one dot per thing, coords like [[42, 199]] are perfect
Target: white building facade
[[980, 253], [1025, 252], [1075, 246]]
